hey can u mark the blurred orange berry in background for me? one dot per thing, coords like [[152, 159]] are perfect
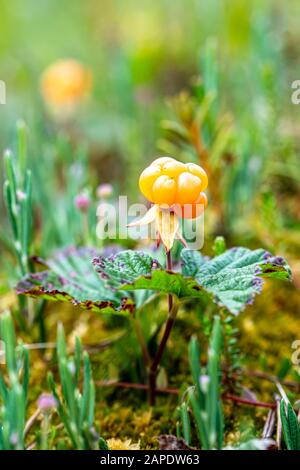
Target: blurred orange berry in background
[[66, 83], [175, 184]]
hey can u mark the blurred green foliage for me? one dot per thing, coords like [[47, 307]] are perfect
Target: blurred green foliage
[[203, 81], [236, 58], [13, 392]]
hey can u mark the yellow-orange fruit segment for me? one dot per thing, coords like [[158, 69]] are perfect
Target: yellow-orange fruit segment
[[167, 182], [191, 211]]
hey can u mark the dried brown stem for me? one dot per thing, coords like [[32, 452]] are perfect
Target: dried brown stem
[[31, 421], [269, 425], [176, 391]]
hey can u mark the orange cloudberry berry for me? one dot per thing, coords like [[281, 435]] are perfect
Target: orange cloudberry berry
[[168, 182]]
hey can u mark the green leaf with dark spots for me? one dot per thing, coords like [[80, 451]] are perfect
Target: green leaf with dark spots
[[71, 278], [168, 283], [233, 278], [125, 266], [236, 276]]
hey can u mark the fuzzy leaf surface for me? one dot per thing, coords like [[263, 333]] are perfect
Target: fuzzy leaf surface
[[70, 277], [233, 279]]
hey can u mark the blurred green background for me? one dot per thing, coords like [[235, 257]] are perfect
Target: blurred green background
[[142, 54]]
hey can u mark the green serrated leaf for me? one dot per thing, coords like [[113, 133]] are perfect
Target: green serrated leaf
[[71, 278], [234, 277], [125, 267], [167, 282]]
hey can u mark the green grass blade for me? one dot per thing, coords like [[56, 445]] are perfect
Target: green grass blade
[[86, 389], [186, 424], [8, 336], [194, 357]]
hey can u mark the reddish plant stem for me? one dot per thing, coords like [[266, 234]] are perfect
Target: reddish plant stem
[[141, 340], [172, 311], [169, 268], [175, 391], [244, 401], [155, 364], [135, 386]]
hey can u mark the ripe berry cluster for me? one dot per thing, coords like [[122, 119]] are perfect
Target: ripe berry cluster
[[170, 183]]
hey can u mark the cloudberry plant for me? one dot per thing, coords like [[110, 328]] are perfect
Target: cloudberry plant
[[176, 190]]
